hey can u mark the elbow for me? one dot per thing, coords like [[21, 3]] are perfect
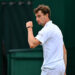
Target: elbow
[[32, 46]]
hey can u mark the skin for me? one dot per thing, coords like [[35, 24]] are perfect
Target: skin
[[41, 19], [65, 57]]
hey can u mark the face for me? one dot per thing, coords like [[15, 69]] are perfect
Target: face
[[41, 18]]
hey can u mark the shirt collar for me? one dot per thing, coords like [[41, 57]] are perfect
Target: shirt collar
[[48, 23]]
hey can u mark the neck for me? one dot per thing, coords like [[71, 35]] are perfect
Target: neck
[[47, 21]]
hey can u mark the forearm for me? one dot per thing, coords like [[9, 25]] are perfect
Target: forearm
[[31, 38], [65, 56]]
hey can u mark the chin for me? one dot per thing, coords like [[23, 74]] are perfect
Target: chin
[[38, 23]]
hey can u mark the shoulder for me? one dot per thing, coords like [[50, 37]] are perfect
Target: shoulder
[[46, 30], [57, 31]]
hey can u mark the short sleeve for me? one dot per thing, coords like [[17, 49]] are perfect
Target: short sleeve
[[43, 36]]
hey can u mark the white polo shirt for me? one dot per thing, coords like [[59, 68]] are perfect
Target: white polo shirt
[[51, 39]]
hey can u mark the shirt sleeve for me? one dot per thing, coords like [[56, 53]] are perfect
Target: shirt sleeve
[[43, 36]]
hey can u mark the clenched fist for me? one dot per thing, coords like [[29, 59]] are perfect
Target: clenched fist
[[29, 24]]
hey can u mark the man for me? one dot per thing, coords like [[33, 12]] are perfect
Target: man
[[50, 37]]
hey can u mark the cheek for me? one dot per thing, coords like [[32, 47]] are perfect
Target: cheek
[[42, 19]]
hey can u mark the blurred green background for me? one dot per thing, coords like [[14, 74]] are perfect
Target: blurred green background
[[13, 33]]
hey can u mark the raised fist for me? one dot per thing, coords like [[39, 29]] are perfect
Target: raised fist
[[29, 24]]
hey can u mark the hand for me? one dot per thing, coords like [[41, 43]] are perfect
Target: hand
[[64, 73], [29, 24]]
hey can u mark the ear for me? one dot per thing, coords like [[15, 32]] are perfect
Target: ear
[[46, 15]]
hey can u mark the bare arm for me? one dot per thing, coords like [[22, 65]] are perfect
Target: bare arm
[[33, 42], [65, 55]]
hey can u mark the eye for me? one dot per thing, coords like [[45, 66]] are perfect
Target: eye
[[39, 15]]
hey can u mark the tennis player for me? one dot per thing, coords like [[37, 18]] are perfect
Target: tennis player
[[51, 38]]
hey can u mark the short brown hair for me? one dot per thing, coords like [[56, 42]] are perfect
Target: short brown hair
[[44, 8]]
